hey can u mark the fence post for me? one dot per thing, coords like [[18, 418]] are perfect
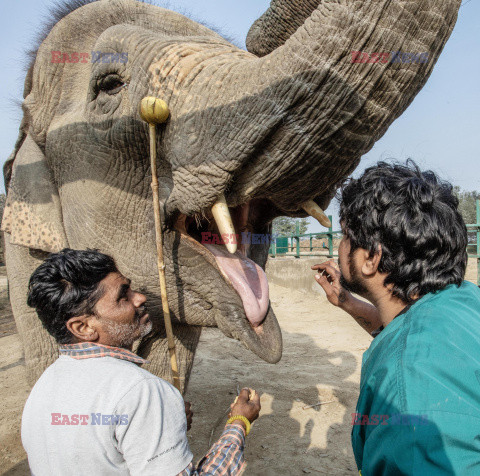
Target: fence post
[[297, 237], [311, 246], [478, 241], [330, 238]]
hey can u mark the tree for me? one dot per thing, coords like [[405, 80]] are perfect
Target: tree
[[287, 225], [467, 207], [3, 199], [467, 204]]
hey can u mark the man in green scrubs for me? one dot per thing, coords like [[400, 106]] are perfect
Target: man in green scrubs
[[404, 250]]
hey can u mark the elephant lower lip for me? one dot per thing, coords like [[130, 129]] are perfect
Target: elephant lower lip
[[247, 278], [239, 270]]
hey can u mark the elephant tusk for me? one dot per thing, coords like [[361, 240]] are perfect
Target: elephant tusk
[[224, 222], [316, 212]]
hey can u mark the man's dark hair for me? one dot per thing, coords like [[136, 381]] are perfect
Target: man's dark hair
[[65, 285], [413, 215]]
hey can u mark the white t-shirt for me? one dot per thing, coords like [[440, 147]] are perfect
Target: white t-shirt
[[104, 416]]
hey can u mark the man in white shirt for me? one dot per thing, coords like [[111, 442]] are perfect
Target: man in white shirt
[[94, 410]]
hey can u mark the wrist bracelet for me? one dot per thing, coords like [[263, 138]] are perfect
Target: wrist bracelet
[[242, 418]]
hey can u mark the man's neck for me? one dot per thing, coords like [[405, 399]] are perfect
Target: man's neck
[[102, 342], [388, 306]]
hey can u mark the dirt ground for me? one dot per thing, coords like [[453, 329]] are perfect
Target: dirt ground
[[321, 363]]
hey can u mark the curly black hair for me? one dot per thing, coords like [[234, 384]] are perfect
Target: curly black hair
[[65, 285], [414, 217]]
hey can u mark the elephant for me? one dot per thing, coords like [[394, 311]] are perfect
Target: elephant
[[267, 130]]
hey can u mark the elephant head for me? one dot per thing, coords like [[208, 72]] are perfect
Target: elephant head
[[268, 129]]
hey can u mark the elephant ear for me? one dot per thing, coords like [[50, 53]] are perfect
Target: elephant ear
[[33, 214]]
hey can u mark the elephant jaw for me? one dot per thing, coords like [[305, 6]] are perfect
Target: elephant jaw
[[256, 326]]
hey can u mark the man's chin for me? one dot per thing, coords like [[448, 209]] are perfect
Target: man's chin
[[352, 286], [146, 327]]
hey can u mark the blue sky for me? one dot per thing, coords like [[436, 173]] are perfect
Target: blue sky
[[440, 130]]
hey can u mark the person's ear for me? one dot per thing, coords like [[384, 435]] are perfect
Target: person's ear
[[371, 262], [83, 328]]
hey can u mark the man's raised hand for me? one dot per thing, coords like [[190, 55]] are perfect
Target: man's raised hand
[[328, 277]]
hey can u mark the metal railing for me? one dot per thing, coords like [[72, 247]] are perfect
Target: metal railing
[[291, 245], [474, 248]]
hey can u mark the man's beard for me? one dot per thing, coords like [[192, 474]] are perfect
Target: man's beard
[[126, 334], [355, 285]]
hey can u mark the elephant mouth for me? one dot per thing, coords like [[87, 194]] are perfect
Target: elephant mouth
[[243, 269], [247, 278]]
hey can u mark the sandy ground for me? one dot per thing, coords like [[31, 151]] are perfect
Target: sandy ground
[[321, 363]]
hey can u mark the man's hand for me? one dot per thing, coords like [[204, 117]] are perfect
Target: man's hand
[[329, 278], [364, 313], [244, 406], [189, 414]]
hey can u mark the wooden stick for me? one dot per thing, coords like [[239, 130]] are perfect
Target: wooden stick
[[318, 404], [160, 261]]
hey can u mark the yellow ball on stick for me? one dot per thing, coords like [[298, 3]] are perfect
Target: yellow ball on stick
[[154, 110]]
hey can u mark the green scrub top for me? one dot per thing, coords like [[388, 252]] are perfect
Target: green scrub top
[[418, 412]]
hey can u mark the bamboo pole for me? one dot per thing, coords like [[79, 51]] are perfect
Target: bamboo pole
[[155, 111]]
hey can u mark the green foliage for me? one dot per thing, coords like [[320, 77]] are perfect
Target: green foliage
[[467, 204], [287, 225]]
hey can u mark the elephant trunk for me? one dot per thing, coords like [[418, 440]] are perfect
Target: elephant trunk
[[277, 24], [297, 121]]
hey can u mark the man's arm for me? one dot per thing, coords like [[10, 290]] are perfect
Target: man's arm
[[225, 457], [364, 313]]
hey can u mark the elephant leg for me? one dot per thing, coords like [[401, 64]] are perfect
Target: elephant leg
[[155, 349], [39, 347]]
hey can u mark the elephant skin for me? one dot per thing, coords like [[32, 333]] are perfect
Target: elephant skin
[[269, 128]]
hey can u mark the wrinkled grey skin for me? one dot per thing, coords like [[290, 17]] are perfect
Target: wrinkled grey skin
[[279, 125]]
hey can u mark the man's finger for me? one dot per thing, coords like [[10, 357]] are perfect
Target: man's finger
[[331, 271], [323, 281], [256, 399], [243, 395]]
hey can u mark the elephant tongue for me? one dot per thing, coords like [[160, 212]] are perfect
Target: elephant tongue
[[247, 278]]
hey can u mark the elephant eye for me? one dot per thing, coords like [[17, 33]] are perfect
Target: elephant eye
[[111, 84]]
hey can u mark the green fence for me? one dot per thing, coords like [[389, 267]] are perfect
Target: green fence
[[293, 245], [474, 248]]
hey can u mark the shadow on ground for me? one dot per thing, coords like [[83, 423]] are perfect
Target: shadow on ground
[[287, 438]]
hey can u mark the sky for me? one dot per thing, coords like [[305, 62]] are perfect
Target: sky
[[440, 130]]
